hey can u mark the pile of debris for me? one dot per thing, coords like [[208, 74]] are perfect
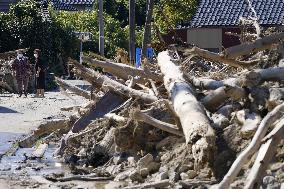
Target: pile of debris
[[193, 119]]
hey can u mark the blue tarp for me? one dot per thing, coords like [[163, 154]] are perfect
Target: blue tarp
[[150, 54]]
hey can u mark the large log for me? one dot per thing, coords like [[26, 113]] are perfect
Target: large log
[[247, 48], [217, 58], [102, 80], [204, 83], [123, 71], [248, 79], [217, 97], [74, 89], [195, 124]]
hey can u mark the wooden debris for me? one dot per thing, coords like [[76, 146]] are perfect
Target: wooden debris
[[196, 127], [248, 48], [138, 115], [102, 80], [217, 58], [123, 71], [74, 89], [269, 119]]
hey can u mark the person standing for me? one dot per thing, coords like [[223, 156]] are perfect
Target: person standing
[[21, 66], [40, 73]]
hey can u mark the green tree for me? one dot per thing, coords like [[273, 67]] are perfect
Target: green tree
[[169, 13]]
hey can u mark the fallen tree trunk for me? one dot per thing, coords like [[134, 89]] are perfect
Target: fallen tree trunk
[[258, 45], [217, 97], [204, 83], [217, 58], [123, 71], [196, 126], [102, 80], [249, 79], [269, 119], [74, 89]]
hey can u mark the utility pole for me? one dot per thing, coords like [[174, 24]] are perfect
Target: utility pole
[[131, 31], [101, 28], [147, 30]]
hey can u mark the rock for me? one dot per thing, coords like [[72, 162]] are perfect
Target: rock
[[273, 186], [162, 176], [250, 125], [144, 172], [184, 176], [220, 121], [145, 161], [122, 176], [117, 159], [131, 161], [165, 142], [112, 185], [276, 166], [241, 116], [268, 180], [153, 167], [271, 183], [191, 174], [174, 176], [163, 169], [205, 173], [281, 177], [238, 184], [82, 152], [135, 176], [186, 167], [165, 157], [228, 109]]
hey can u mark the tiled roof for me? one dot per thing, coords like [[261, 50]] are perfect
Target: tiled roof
[[58, 5], [228, 12], [78, 2]]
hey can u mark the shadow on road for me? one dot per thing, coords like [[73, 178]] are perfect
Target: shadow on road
[[7, 110]]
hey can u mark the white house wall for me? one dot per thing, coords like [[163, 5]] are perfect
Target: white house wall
[[206, 38]]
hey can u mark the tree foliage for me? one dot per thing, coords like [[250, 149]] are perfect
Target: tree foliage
[[168, 13], [23, 27]]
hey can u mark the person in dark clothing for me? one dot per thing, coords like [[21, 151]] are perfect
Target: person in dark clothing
[[40, 69], [21, 66]]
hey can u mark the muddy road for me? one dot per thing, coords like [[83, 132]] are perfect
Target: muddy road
[[18, 117]]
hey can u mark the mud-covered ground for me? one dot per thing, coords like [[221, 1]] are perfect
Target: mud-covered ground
[[19, 116]]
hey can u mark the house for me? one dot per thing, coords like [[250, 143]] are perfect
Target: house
[[58, 6], [80, 5], [5, 5], [213, 20]]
